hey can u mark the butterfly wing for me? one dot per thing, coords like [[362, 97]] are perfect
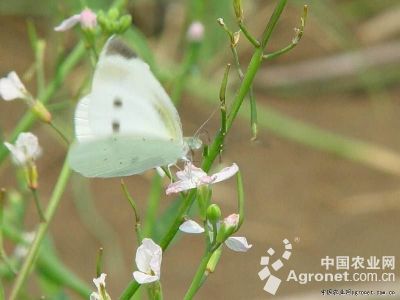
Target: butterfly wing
[[127, 124], [122, 156], [126, 99]]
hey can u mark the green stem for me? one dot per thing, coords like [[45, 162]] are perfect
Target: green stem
[[183, 208], [38, 206], [248, 35], [152, 206], [253, 103], [219, 139], [279, 52], [198, 278], [132, 202], [240, 191], [41, 232]]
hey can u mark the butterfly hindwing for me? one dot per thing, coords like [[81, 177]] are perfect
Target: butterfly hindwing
[[122, 156]]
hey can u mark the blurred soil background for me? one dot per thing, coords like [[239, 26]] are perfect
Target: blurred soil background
[[343, 78]]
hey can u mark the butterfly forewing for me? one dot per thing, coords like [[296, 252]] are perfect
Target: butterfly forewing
[[127, 124], [126, 98]]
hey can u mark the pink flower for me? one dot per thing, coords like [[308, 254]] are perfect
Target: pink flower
[[195, 32], [192, 177], [231, 220], [87, 18]]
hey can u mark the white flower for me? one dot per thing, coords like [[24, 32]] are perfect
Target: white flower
[[195, 32], [235, 243], [148, 260], [87, 18], [191, 226], [100, 284], [12, 88], [21, 250], [192, 177], [26, 148]]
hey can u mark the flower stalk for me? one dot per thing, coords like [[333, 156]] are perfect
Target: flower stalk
[[41, 231]]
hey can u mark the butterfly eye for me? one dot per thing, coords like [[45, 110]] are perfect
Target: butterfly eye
[[115, 126], [117, 102]]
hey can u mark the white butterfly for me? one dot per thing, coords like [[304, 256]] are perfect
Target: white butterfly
[[127, 124]]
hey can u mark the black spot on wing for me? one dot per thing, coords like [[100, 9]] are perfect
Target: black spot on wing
[[115, 126], [117, 102], [117, 47]]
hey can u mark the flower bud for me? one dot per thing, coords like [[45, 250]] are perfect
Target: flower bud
[[228, 226], [88, 19], [41, 112], [237, 6], [195, 32], [101, 19], [124, 23], [213, 213], [32, 176], [212, 263], [113, 14]]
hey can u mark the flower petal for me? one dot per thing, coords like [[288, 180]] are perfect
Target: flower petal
[[191, 172], [143, 278], [11, 87], [191, 226], [225, 173], [68, 23], [29, 144], [94, 296], [232, 220], [180, 186], [238, 244], [18, 157], [100, 281], [148, 257]]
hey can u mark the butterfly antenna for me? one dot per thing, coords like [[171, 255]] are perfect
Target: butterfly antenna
[[205, 122]]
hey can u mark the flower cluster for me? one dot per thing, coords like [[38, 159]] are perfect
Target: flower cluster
[[86, 18]]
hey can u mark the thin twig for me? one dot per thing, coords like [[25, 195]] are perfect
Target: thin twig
[[38, 205]]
